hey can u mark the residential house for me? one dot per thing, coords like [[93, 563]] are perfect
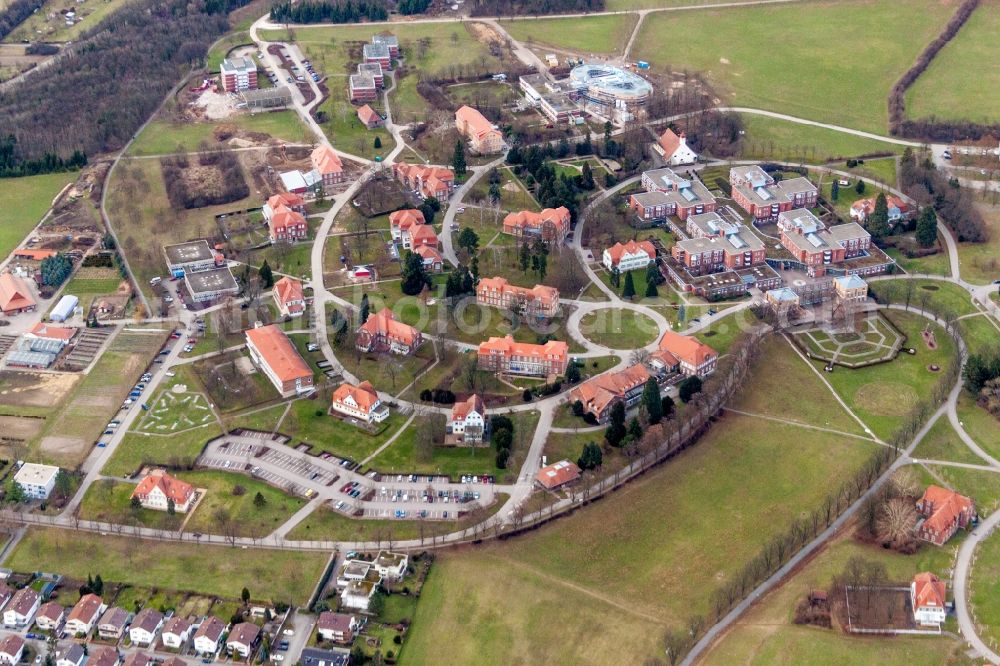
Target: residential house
[[423, 235], [483, 137], [112, 624], [897, 209], [157, 490], [695, 358], [360, 402], [289, 297], [630, 256], [557, 475], [6, 592], [84, 615], [379, 53], [599, 394], [358, 594], [850, 289], [103, 656], [337, 627], [468, 420], [21, 608], [70, 654], [328, 165], [242, 640], [369, 117], [11, 649], [238, 74], [374, 70], [504, 355], [383, 332], [37, 480], [400, 224], [362, 87], [390, 566], [15, 295], [176, 632], [354, 570], [206, 639], [538, 301], [50, 616], [426, 181], [147, 622], [671, 194], [927, 598], [759, 194], [944, 512], [276, 356], [433, 261], [674, 148], [137, 659], [552, 225], [391, 42], [284, 224]]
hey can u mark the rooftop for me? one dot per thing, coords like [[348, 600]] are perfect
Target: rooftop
[[190, 252], [215, 280]]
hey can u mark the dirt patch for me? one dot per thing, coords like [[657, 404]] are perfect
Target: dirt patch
[[27, 389], [62, 446], [929, 339], [215, 106], [18, 427]]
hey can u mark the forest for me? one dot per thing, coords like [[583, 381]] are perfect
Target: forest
[[107, 85], [325, 11], [15, 14], [533, 7]]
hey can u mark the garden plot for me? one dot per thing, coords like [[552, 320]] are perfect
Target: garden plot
[[177, 409], [864, 341]]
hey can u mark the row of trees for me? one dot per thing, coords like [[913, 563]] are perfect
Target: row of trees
[[929, 187], [55, 270], [533, 7], [410, 7], [113, 79], [330, 11]]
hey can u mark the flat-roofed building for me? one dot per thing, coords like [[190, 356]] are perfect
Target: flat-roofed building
[[276, 356], [375, 71], [675, 196], [238, 74], [379, 53], [212, 285], [191, 257], [759, 194], [36, 479], [362, 87], [391, 42]]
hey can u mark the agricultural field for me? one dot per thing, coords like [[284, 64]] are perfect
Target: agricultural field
[[774, 139], [728, 47], [766, 634], [69, 435], [953, 87], [23, 203], [606, 35], [90, 283], [882, 395], [615, 603], [200, 568], [164, 137]]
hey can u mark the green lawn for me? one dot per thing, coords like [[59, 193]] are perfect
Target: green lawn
[[224, 496], [957, 85], [986, 588], [265, 419], [882, 395], [23, 202], [720, 334], [199, 568], [591, 34], [619, 328], [347, 132], [221, 49], [163, 137], [943, 443], [772, 138], [111, 501], [980, 333], [767, 635], [327, 433], [979, 424], [979, 263], [944, 296], [175, 450], [935, 264], [736, 49]]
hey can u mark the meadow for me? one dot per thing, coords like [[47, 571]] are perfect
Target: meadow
[[606, 35], [23, 203], [164, 137], [769, 138]]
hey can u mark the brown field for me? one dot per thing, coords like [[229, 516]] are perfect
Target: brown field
[[29, 389], [20, 427]]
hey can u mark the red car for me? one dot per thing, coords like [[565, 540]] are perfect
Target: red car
[[192, 341]]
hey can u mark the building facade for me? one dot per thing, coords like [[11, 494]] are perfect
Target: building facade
[[551, 225], [538, 301], [482, 136], [504, 355], [276, 356]]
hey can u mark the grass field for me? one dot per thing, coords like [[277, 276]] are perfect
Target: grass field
[[111, 501], [772, 138], [618, 328], [593, 34], [176, 449], [249, 519], [953, 88], [943, 443], [23, 202], [162, 137], [980, 262], [347, 132], [979, 424], [39, 27], [980, 333], [728, 47], [986, 589], [766, 634], [327, 433], [882, 395], [935, 264], [720, 334], [932, 293], [208, 570], [660, 571]]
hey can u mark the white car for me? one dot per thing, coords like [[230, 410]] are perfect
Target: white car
[[188, 348], [170, 373], [289, 632]]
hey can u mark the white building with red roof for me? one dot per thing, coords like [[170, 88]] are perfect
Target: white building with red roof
[[483, 137], [276, 356], [289, 297], [84, 615], [674, 148], [468, 420], [630, 256], [11, 649], [401, 222], [158, 489], [927, 598], [359, 402], [383, 332], [328, 165]]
